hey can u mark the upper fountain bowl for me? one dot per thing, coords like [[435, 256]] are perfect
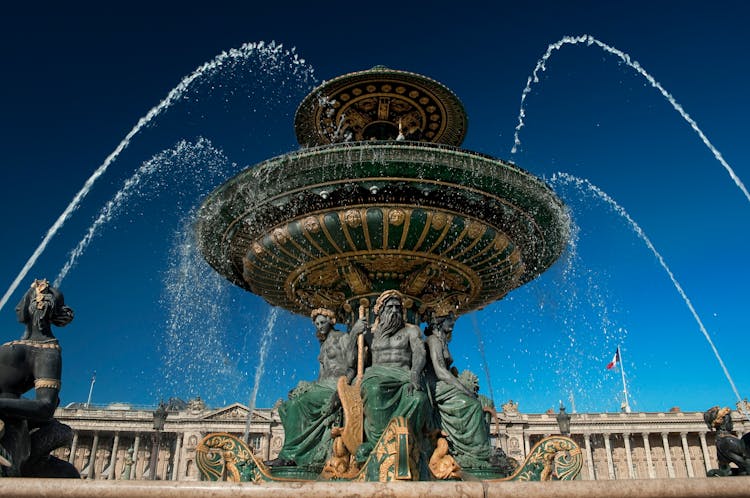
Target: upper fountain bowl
[[380, 104], [381, 198]]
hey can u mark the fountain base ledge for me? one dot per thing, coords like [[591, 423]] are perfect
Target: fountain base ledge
[[395, 457], [642, 488]]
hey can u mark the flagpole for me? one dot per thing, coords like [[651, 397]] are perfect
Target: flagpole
[[624, 385], [91, 389]]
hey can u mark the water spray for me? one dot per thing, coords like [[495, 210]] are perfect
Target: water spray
[[590, 40], [586, 186]]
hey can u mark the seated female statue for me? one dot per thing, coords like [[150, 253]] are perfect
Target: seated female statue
[[459, 411]]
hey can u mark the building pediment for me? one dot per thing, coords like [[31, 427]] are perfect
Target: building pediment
[[236, 411]]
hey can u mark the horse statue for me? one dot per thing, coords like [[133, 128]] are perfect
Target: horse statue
[[28, 431]]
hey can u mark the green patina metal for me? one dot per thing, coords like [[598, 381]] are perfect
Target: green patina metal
[[224, 457], [267, 206]]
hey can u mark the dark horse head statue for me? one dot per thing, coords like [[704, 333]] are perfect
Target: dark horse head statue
[[41, 307]]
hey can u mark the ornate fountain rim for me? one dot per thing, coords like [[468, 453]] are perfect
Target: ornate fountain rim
[[254, 213]]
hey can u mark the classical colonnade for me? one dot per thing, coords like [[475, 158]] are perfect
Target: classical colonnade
[[118, 443]]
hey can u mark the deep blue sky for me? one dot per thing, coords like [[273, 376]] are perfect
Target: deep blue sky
[[77, 79]]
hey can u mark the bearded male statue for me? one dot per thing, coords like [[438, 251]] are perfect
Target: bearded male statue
[[392, 384]]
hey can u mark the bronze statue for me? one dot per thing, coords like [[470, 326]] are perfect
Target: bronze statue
[[729, 448], [34, 361], [314, 408], [392, 385], [458, 411]]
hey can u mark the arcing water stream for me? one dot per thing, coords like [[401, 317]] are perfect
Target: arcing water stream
[[204, 164], [265, 52], [590, 40], [587, 187]]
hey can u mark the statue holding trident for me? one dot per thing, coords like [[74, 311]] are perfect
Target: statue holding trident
[[392, 384]]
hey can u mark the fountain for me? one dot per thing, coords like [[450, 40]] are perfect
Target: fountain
[[380, 200], [381, 208]]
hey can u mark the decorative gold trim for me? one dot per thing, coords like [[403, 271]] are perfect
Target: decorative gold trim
[[47, 344], [425, 230], [442, 465], [330, 238], [262, 273], [405, 231], [47, 384], [308, 236], [366, 230], [280, 235], [385, 213], [439, 220], [442, 236], [468, 248], [356, 279], [352, 217], [396, 217], [356, 100], [456, 242], [475, 229], [325, 312], [298, 246], [226, 234], [345, 225], [311, 224], [489, 247]]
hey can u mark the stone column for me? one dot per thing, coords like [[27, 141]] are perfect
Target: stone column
[[686, 452], [74, 447], [610, 463], [92, 458], [628, 454], [113, 460], [589, 457], [177, 453], [526, 445], [267, 452], [704, 448], [155, 446], [649, 461], [667, 454], [136, 444]]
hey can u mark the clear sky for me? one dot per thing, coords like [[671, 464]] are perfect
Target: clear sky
[[153, 322]]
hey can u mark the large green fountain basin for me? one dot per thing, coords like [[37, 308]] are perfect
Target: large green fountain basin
[[331, 225]]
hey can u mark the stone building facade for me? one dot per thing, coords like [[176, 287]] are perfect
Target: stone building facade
[[117, 442]]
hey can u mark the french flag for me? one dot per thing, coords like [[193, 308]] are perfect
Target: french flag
[[615, 359]]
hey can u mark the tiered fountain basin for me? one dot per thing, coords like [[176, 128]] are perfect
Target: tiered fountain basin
[[331, 225]]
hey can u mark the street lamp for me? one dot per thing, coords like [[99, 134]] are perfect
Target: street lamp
[[160, 416], [563, 421]]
